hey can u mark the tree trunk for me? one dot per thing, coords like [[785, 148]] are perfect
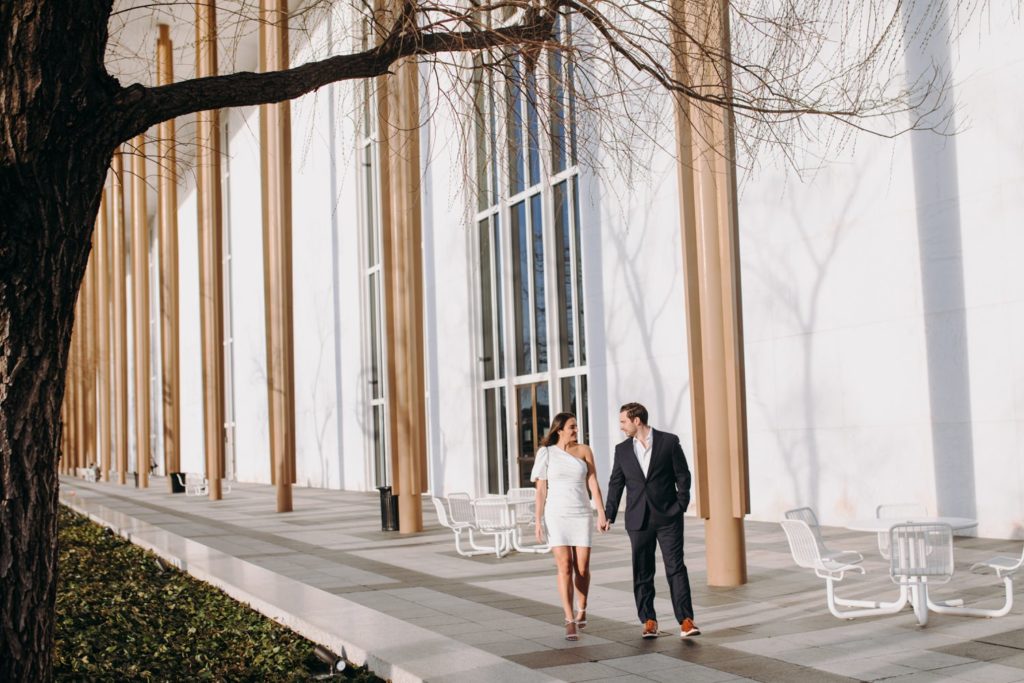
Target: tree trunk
[[54, 151], [45, 233]]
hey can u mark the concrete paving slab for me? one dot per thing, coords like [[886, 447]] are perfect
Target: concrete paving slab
[[414, 610]]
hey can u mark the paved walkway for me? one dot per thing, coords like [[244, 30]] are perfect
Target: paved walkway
[[414, 610]]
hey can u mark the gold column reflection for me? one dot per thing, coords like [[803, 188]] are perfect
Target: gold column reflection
[[707, 181], [140, 309], [168, 197], [120, 342], [211, 291], [275, 146]]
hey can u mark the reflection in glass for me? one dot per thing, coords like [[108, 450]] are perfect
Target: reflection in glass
[[370, 199], [539, 306], [486, 299], [581, 334], [514, 123], [533, 127], [379, 461], [533, 407], [376, 380], [557, 106], [494, 471], [502, 445], [563, 277], [583, 414], [499, 318], [521, 288], [527, 431], [480, 121], [569, 396]]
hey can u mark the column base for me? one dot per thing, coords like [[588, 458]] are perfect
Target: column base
[[410, 513], [726, 551]]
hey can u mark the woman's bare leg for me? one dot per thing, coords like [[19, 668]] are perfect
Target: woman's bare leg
[[581, 575], [564, 563]]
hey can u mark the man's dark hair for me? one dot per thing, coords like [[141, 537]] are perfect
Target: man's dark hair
[[633, 410]]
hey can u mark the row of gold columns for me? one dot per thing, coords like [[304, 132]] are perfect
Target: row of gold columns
[[707, 182], [109, 292], [275, 167], [398, 112], [398, 104], [104, 291]]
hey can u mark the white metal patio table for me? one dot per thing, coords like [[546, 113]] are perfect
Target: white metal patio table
[[955, 606], [875, 525]]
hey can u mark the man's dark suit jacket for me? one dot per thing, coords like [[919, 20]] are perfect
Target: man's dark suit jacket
[[659, 498]]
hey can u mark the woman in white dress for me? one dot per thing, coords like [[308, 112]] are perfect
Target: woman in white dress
[[564, 471]]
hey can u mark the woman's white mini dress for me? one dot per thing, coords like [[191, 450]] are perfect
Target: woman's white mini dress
[[568, 515]]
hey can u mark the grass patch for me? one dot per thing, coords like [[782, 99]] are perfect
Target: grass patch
[[123, 615]]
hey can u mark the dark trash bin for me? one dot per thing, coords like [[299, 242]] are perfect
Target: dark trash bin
[[177, 482], [388, 509]]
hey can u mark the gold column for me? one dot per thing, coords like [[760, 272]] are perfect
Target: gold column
[[75, 385], [120, 345], [168, 197], [65, 432], [102, 252], [275, 154], [403, 288], [211, 290], [710, 228], [140, 309], [90, 330]]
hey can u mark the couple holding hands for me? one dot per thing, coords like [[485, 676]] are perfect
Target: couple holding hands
[[651, 467]]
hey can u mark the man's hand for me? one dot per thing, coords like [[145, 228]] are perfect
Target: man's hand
[[603, 524]]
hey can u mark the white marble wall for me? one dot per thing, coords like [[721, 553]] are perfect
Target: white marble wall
[[882, 360], [883, 314]]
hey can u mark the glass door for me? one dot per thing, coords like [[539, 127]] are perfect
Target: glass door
[[533, 416]]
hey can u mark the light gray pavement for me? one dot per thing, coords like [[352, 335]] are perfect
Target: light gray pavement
[[414, 610]]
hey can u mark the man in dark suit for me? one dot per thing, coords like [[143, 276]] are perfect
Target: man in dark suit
[[651, 466]]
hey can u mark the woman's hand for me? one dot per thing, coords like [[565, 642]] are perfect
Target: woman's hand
[[538, 531], [602, 521]]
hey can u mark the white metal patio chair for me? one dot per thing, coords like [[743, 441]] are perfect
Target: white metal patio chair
[[921, 555], [457, 528], [900, 511], [1005, 568], [522, 502], [804, 548], [807, 515], [491, 516], [460, 511], [194, 484]]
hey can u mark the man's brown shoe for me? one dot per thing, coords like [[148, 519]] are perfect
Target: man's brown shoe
[[650, 629], [688, 629]]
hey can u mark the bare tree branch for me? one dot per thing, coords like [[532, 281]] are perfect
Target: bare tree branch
[[141, 107]]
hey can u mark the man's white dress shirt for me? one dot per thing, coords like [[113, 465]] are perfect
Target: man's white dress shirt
[[643, 453]]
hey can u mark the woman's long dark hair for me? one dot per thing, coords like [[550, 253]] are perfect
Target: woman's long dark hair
[[557, 425]]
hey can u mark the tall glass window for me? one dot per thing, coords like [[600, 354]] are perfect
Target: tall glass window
[[531, 294], [369, 188]]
